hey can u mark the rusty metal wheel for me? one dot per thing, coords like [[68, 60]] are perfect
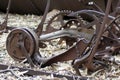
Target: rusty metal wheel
[[16, 38]]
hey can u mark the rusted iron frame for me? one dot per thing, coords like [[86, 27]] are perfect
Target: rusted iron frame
[[98, 37], [68, 33], [32, 72], [88, 58], [62, 33], [41, 21], [63, 56], [101, 29], [50, 37]]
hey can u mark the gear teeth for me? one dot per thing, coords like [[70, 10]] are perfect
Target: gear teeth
[[65, 12], [53, 15], [62, 12]]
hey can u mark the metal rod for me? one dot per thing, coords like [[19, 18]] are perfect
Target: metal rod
[[92, 12], [101, 30], [8, 9], [40, 26], [66, 32]]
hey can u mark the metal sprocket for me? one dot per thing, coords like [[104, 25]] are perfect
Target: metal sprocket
[[57, 18], [77, 22]]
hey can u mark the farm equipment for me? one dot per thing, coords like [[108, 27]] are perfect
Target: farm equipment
[[92, 35]]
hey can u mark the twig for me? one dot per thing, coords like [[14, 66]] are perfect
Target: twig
[[10, 70]]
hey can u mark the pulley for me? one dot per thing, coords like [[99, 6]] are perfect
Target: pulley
[[21, 42]]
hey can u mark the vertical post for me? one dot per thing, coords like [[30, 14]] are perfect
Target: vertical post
[[40, 26], [7, 12], [3, 26], [101, 30]]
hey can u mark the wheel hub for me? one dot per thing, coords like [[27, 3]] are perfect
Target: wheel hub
[[16, 38]]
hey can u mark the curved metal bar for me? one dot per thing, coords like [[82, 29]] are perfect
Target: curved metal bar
[[64, 33], [91, 12]]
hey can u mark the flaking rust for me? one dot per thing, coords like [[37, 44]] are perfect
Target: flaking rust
[[92, 37]]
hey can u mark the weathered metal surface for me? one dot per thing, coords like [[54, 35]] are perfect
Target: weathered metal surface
[[89, 58], [70, 54], [16, 38], [95, 33]]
